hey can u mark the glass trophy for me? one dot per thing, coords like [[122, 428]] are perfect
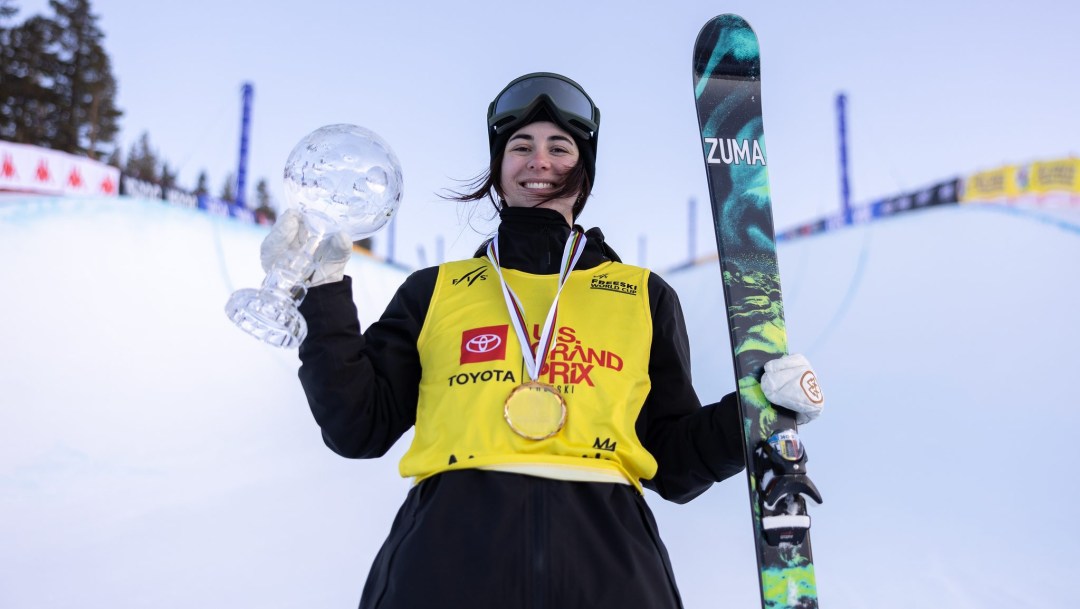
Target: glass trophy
[[340, 178]]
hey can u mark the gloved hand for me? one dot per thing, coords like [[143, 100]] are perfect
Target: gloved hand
[[289, 232], [790, 382]]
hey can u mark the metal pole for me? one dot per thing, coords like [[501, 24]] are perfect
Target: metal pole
[[246, 92], [845, 189]]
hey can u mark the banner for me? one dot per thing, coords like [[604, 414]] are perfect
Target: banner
[[941, 193], [1030, 183], [34, 170], [219, 207], [1045, 183], [991, 185], [1046, 177], [31, 169]]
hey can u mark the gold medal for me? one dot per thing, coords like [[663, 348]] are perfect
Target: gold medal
[[535, 411]]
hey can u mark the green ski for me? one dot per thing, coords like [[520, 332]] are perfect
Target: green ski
[[727, 89]]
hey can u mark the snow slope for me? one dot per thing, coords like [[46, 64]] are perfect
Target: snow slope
[[151, 455], [945, 341]]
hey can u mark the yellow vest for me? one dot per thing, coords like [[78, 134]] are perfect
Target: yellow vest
[[472, 360]]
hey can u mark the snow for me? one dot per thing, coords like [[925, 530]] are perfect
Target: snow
[[944, 341], [151, 455]]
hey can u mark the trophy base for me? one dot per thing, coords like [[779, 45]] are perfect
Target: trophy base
[[268, 315]]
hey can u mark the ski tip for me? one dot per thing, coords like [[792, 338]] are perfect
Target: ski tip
[[729, 21], [726, 46]]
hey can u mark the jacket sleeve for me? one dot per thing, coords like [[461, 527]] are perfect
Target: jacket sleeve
[[362, 388], [694, 445]]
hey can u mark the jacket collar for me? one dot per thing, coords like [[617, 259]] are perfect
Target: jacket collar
[[531, 239]]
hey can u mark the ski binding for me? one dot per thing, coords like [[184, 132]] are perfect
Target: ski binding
[[781, 473]]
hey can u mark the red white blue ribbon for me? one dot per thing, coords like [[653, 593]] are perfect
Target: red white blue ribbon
[[534, 362]]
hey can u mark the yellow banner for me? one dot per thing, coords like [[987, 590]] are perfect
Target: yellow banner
[[993, 184], [1055, 176]]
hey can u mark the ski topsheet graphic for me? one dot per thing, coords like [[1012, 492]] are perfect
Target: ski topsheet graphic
[[727, 89]]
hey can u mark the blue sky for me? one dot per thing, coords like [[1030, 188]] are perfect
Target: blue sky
[[935, 90]]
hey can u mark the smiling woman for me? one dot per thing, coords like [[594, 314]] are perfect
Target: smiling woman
[[538, 417], [537, 160], [549, 98]]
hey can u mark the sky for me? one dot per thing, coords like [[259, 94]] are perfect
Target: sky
[[935, 90], [152, 455]]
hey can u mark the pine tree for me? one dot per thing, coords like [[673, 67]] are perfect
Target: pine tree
[[57, 89], [264, 213], [29, 104], [228, 189], [168, 177], [262, 193], [202, 187], [114, 159], [88, 118], [142, 161]]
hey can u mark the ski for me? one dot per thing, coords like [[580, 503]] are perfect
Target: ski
[[727, 90]]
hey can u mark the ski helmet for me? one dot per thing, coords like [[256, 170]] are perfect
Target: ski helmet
[[543, 95]]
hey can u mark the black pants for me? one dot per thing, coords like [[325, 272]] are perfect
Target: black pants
[[475, 539]]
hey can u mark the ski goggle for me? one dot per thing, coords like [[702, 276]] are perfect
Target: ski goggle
[[574, 109]]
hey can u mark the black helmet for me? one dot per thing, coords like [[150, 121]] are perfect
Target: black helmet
[[541, 95]]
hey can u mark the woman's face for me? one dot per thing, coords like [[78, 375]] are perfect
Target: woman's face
[[535, 162]]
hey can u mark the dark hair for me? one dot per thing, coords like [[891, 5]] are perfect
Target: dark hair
[[488, 185]]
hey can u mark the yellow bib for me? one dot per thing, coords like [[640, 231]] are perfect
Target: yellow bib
[[472, 360]]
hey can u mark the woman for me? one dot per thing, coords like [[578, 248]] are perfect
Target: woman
[[529, 461]]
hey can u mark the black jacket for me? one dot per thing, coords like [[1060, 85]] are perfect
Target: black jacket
[[516, 540]]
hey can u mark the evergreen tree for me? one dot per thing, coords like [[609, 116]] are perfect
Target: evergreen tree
[[262, 194], [142, 162], [29, 104], [203, 185], [228, 189], [114, 159], [57, 89], [168, 177], [88, 118], [264, 213]]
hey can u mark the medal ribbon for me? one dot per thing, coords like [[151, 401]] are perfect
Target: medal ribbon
[[575, 245]]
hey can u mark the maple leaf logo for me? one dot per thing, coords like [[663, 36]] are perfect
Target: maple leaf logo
[[7, 170], [42, 171]]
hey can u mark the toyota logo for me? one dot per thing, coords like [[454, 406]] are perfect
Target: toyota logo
[[484, 343]]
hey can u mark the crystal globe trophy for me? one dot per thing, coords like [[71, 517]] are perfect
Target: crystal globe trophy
[[339, 178]]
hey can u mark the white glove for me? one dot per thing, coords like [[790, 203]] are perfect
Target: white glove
[[790, 382], [290, 233]]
